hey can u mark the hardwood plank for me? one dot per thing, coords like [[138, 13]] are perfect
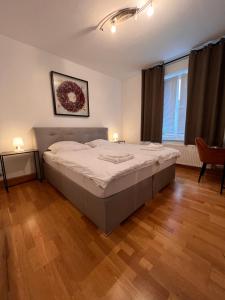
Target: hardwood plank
[[4, 280], [173, 248], [18, 180]]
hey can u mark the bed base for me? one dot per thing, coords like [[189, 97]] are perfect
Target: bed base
[[108, 213]]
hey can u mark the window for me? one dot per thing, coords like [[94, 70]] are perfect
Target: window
[[175, 103]]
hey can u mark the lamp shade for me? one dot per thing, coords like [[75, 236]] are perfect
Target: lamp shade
[[115, 136], [18, 143]]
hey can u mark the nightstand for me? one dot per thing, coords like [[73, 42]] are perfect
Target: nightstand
[[10, 153]]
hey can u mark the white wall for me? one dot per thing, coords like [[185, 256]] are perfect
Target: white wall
[[26, 99], [131, 92]]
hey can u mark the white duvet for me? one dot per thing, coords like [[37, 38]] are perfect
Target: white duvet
[[87, 162], [155, 151]]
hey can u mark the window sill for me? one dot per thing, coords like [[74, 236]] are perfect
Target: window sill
[[173, 142], [177, 143]]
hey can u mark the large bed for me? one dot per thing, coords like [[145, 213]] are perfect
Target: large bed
[[106, 203]]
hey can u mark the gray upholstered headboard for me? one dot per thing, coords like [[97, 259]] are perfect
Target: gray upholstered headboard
[[46, 136]]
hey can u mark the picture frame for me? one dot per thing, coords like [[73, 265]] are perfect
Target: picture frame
[[70, 95]]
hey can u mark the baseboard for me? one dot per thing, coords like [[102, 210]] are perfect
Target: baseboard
[[20, 179], [210, 171], [188, 167]]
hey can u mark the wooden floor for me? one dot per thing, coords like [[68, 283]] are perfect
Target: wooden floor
[[172, 249]]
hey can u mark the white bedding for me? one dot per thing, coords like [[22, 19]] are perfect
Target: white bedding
[[155, 151], [103, 178]]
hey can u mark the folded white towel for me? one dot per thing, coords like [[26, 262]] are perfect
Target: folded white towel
[[114, 154], [115, 160], [152, 147]]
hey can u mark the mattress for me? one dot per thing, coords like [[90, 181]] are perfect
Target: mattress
[[114, 186]]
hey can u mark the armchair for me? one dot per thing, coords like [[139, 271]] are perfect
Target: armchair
[[210, 155]]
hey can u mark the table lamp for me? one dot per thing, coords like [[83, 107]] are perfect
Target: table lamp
[[115, 137], [18, 143]]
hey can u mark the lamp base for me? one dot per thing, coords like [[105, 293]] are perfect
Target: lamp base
[[18, 149]]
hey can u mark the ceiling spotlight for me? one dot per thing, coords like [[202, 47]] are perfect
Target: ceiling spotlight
[[150, 10], [113, 27], [121, 15]]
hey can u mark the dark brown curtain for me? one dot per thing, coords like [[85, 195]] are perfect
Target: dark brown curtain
[[206, 95], [152, 104]]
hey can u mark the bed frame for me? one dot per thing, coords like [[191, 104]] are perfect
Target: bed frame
[[106, 213]]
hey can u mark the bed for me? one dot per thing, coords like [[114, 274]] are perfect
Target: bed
[[107, 206]]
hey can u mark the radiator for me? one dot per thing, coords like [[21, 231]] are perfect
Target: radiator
[[189, 154]]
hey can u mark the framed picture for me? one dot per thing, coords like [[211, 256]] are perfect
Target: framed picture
[[70, 95]]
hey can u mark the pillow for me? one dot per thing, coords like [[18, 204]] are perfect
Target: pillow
[[67, 146], [97, 143]]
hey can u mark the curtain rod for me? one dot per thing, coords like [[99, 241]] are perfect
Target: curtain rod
[[164, 63], [195, 48], [215, 41], [175, 59]]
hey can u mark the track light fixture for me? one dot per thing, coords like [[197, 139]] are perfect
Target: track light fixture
[[121, 15]]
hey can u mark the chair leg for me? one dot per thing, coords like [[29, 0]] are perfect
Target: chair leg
[[222, 180], [202, 171]]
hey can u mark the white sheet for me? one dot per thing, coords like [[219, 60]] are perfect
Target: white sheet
[[103, 178]]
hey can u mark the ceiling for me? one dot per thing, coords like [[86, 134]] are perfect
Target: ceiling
[[66, 28]]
